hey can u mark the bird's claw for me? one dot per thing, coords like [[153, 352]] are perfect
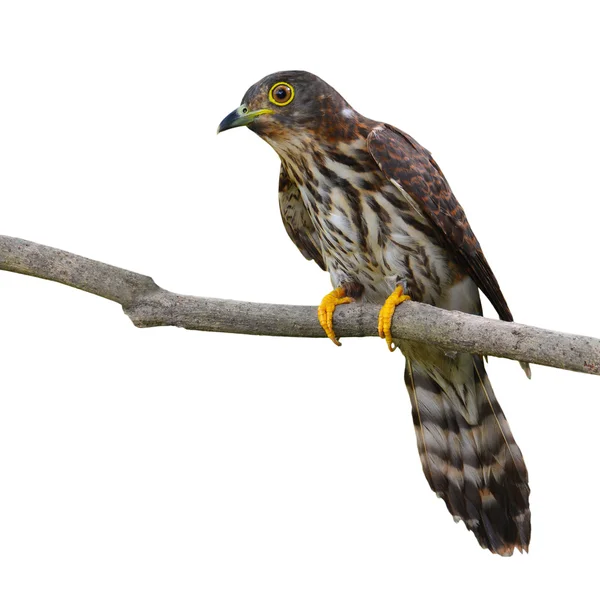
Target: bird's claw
[[386, 314], [327, 308]]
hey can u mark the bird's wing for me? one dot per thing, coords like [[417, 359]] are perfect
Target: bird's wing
[[411, 168], [297, 220]]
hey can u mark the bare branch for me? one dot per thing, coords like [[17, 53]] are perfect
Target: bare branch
[[148, 305]]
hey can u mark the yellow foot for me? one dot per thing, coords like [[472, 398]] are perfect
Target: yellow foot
[[387, 312], [327, 308]]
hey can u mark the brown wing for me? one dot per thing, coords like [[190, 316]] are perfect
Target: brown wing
[[411, 167], [297, 220]]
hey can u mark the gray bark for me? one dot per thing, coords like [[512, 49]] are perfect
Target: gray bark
[[148, 305]]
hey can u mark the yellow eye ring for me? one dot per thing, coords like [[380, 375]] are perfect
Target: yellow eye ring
[[281, 93]]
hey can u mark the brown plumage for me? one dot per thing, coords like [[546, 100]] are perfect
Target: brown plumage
[[368, 204], [405, 161]]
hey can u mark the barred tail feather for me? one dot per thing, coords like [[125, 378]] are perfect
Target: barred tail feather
[[468, 453]]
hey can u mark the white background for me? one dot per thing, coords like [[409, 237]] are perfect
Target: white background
[[164, 463]]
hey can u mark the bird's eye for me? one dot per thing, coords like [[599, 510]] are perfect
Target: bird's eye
[[281, 93]]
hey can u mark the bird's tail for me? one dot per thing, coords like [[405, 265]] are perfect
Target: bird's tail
[[468, 453]]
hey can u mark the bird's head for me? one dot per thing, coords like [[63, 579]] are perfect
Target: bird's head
[[287, 106]]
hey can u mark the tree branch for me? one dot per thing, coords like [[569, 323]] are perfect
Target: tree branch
[[148, 305]]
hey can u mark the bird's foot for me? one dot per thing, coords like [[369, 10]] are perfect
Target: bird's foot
[[387, 312], [327, 308]]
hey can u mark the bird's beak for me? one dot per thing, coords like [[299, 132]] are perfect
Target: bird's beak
[[241, 116]]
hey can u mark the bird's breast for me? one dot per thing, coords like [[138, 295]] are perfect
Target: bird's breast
[[370, 233]]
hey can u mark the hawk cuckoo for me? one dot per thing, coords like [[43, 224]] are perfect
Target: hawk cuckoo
[[371, 206]]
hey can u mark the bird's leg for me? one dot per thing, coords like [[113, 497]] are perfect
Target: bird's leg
[[387, 312], [327, 308], [341, 295]]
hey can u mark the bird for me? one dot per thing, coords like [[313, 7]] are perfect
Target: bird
[[369, 205]]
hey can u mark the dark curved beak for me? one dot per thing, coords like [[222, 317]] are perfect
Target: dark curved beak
[[241, 116]]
